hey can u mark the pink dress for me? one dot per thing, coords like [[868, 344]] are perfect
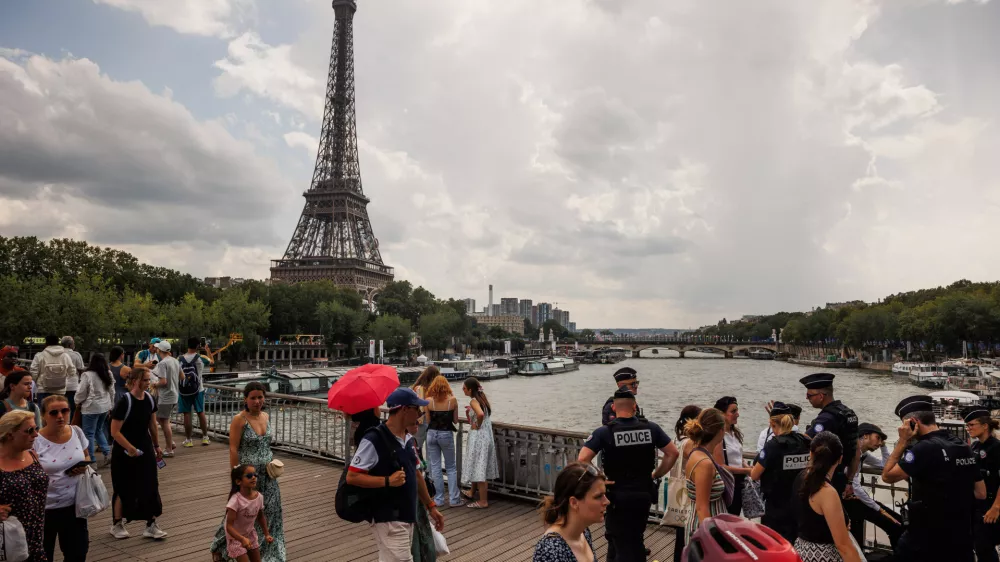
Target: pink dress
[[246, 513]]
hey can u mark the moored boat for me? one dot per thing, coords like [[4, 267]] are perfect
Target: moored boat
[[550, 366]]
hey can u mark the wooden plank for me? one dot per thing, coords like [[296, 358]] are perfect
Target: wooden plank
[[194, 488]]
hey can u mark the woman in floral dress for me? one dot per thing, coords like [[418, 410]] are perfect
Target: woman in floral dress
[[23, 483], [480, 463], [250, 444]]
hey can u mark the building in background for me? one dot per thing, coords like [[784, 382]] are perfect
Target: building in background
[[508, 306], [544, 313], [509, 323], [571, 327], [489, 308], [470, 306], [494, 310], [564, 319], [534, 315], [224, 282], [524, 309]]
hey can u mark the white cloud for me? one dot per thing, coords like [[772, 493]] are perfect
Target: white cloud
[[219, 18], [298, 139]]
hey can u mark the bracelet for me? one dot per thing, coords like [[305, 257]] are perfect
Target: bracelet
[[386, 481]]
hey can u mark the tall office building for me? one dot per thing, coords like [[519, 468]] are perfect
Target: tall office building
[[494, 310], [524, 308], [489, 309], [564, 320], [534, 315], [544, 312], [508, 306], [470, 306]]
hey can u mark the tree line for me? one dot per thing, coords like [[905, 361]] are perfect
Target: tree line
[[938, 320]]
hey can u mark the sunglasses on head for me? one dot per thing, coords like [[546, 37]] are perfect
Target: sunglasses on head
[[54, 413], [591, 470]]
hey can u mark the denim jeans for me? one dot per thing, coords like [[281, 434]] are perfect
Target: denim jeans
[[443, 443], [93, 428]]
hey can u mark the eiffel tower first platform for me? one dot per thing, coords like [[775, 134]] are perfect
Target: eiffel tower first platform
[[334, 238]]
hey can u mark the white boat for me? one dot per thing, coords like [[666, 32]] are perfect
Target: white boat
[[928, 375], [903, 367], [949, 405], [548, 366], [459, 369]]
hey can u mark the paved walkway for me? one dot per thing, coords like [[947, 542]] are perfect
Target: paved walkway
[[194, 489]]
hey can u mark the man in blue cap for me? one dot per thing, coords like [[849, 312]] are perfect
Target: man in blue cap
[[386, 459], [146, 357], [838, 419], [944, 484], [626, 378]]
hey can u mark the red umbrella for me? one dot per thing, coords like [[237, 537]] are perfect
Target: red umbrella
[[363, 388]]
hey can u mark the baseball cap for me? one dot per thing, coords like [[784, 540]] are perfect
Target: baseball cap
[[163, 345], [154, 341], [8, 350], [404, 396]]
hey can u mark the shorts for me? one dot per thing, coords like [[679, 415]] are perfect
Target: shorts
[[235, 548], [193, 403], [163, 411], [394, 539]]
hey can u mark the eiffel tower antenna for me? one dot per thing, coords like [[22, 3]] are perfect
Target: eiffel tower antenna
[[334, 239]]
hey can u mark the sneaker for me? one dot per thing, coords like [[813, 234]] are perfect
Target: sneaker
[[106, 461], [154, 531], [119, 531], [187, 443], [205, 440], [169, 453]]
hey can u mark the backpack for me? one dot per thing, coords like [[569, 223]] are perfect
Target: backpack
[[355, 504], [53, 373], [128, 410], [191, 383]]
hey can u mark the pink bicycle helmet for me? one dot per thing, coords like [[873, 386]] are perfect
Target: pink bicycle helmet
[[728, 538]]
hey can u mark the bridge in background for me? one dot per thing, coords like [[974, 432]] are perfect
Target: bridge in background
[[682, 346]]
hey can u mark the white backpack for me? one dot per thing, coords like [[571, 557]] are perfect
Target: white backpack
[[54, 373]]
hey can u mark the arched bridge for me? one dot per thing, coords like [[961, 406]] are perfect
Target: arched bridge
[[682, 346]]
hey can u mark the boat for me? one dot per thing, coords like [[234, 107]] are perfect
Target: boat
[[460, 369], [761, 354], [949, 405], [551, 366], [928, 375], [903, 367]]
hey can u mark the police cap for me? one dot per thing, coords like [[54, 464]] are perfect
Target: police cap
[[919, 403], [866, 428], [780, 409], [975, 412], [625, 374], [817, 380], [624, 393], [796, 410]]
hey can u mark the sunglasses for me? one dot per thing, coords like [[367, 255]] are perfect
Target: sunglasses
[[813, 394], [250, 475], [54, 413], [591, 470], [31, 431]]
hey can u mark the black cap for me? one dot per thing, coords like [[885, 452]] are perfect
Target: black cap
[[624, 393], [919, 403], [866, 428], [780, 409], [975, 412], [796, 410], [817, 380], [625, 374]]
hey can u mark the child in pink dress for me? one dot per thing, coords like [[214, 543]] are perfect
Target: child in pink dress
[[245, 507]]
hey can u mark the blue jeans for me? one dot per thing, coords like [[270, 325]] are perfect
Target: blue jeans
[[93, 428], [443, 443]]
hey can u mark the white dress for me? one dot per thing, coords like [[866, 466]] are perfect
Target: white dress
[[480, 461]]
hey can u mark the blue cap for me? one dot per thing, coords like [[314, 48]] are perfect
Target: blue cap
[[404, 396], [154, 340]]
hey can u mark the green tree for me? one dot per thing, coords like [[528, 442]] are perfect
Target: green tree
[[188, 318], [234, 312], [587, 334], [341, 324], [437, 329], [394, 333]]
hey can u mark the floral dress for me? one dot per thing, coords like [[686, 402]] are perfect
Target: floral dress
[[256, 450], [25, 490], [480, 463], [553, 548]]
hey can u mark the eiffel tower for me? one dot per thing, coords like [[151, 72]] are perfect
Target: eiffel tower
[[334, 238]]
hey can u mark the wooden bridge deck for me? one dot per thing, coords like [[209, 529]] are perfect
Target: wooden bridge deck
[[194, 490]]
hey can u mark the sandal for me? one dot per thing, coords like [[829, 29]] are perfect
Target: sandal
[[475, 505], [467, 497]]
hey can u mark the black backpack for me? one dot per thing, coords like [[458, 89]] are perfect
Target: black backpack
[[355, 504], [190, 384]]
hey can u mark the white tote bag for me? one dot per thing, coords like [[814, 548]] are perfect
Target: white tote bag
[[91, 494], [15, 542], [440, 544], [676, 502]]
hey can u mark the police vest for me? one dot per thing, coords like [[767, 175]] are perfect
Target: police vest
[[629, 460], [847, 424], [786, 459], [946, 499], [607, 412], [988, 461]]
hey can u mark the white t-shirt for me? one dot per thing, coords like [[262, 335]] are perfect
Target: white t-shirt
[[733, 450], [766, 435], [168, 368], [73, 381], [55, 459]]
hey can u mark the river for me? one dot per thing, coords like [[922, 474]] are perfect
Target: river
[[573, 401]]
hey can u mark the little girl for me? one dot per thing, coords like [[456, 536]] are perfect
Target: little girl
[[245, 506]]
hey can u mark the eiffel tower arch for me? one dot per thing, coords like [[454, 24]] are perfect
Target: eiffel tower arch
[[334, 239]]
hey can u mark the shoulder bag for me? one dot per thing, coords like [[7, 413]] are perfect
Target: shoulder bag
[[676, 503]]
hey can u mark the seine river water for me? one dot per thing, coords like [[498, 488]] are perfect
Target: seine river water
[[573, 401]]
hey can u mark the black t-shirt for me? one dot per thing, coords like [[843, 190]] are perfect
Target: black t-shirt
[[943, 473], [135, 420], [987, 455], [601, 439]]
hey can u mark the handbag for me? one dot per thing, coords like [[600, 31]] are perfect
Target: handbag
[[676, 503], [728, 480], [15, 542], [275, 468], [753, 504], [91, 494], [440, 545]]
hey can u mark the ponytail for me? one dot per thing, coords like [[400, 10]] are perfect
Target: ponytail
[[990, 423], [476, 390], [706, 427], [235, 475], [825, 452]]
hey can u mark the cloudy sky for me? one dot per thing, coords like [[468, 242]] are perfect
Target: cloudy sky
[[647, 163]]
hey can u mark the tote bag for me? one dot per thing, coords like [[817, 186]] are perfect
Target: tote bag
[[676, 503], [15, 542], [753, 505], [91, 494]]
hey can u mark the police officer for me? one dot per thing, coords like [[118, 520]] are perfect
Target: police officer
[[628, 445], [838, 419], [986, 450], [944, 480], [626, 377], [784, 456]]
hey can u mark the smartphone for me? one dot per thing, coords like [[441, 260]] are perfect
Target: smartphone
[[203, 342], [161, 463], [913, 425], [78, 465]]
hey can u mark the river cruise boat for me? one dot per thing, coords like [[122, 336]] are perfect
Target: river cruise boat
[[928, 375], [461, 369], [762, 355], [548, 367]]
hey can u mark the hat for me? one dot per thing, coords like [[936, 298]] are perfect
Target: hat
[[920, 403], [780, 409], [796, 410], [817, 380], [8, 350], [154, 341], [723, 404], [866, 428], [625, 374], [975, 412], [163, 345], [404, 396], [624, 393]]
